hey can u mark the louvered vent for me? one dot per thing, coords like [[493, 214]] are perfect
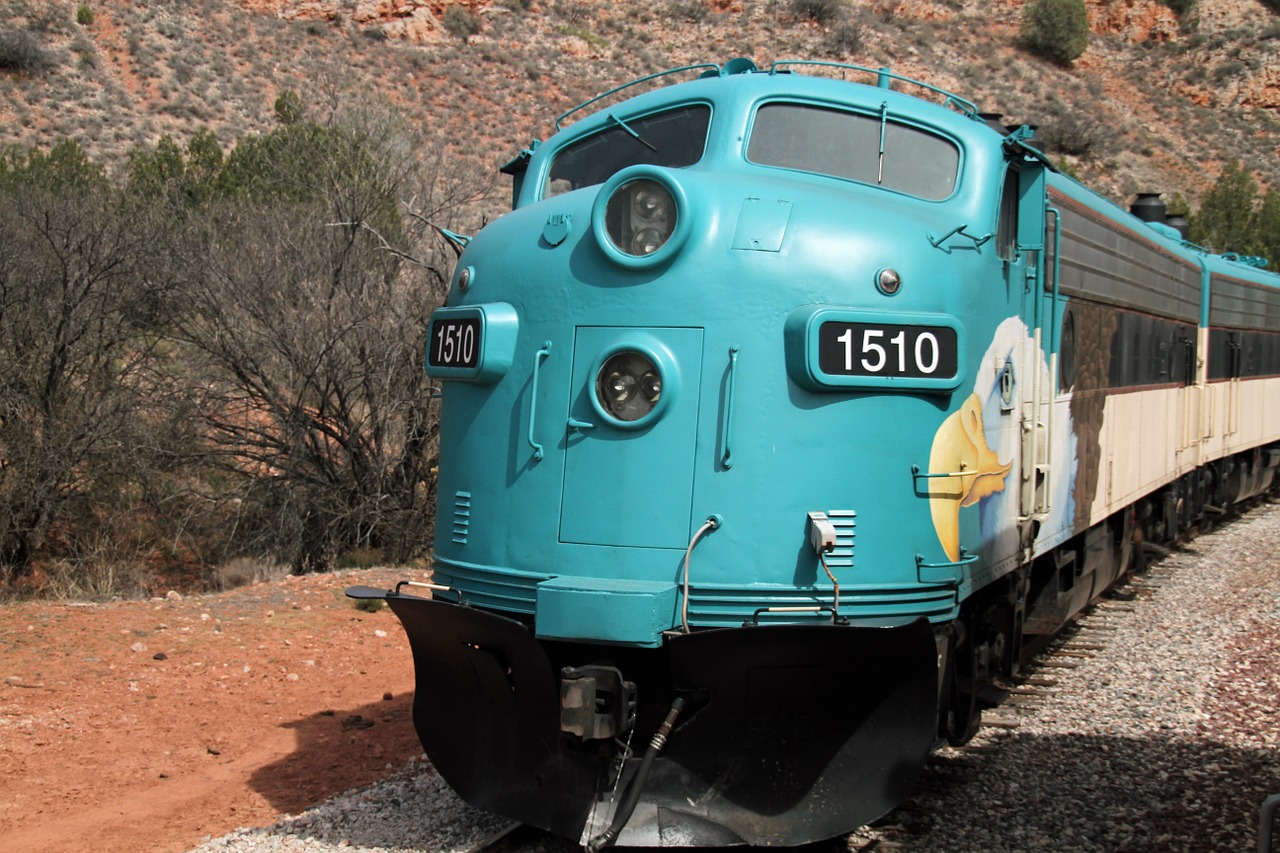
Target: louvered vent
[[844, 521], [461, 517]]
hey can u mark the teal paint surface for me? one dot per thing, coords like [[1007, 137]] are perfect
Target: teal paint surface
[[605, 610]]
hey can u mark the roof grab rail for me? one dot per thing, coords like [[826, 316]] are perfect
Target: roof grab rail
[[705, 66], [883, 75]]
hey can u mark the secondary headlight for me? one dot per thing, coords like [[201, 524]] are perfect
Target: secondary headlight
[[629, 385], [641, 217]]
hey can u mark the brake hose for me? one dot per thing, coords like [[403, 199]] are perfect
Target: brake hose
[[632, 798]]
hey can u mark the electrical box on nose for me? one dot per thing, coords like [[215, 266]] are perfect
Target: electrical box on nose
[[822, 533]]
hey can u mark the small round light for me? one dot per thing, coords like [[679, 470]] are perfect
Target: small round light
[[619, 387], [464, 278], [651, 387], [889, 282], [648, 203], [618, 380], [647, 242]]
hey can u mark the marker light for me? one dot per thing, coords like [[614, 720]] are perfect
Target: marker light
[[889, 281]]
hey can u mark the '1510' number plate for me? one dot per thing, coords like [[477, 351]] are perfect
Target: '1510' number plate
[[455, 342], [887, 350]]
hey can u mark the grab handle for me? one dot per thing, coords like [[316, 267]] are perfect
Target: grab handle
[[538, 358], [726, 439]]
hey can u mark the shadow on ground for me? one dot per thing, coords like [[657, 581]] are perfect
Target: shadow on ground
[[1065, 793], [337, 750]]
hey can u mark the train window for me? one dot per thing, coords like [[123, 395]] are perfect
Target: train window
[[856, 146], [674, 138]]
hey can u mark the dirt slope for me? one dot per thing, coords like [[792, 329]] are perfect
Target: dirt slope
[[149, 725]]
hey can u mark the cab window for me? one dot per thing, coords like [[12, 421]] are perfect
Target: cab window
[[866, 148], [674, 138]]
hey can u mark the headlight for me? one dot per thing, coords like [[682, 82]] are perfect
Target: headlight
[[641, 217], [629, 386]]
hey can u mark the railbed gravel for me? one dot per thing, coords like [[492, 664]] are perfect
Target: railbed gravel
[[1155, 728]]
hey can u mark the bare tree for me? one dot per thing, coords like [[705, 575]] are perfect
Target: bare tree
[[72, 345], [305, 318]]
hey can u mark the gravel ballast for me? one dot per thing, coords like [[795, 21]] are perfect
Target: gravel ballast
[[1155, 728]]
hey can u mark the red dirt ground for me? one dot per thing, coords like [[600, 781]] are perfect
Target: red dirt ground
[[150, 725]]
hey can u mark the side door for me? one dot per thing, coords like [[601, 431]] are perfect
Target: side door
[[1021, 242]]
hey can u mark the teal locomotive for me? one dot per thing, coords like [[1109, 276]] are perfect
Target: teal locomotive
[[776, 414]]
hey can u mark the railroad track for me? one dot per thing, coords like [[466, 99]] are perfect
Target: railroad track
[[1046, 663], [511, 838], [520, 838]]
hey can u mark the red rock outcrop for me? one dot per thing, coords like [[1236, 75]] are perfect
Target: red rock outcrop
[[1135, 21]]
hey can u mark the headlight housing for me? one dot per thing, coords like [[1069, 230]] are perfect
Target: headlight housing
[[641, 217], [629, 386], [634, 381]]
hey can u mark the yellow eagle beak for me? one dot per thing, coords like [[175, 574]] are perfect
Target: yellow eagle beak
[[960, 449]]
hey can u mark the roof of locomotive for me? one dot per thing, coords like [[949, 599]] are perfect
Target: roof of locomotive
[[784, 70], [741, 78], [737, 85]]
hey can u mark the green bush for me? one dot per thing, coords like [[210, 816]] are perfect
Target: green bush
[[461, 22], [1228, 69], [1076, 133], [845, 39], [84, 15], [1056, 29], [1181, 8], [23, 51], [1226, 219], [818, 11]]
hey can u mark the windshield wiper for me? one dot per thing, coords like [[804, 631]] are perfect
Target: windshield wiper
[[884, 121], [622, 124]]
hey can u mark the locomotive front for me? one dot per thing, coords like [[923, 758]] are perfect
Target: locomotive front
[[693, 587]]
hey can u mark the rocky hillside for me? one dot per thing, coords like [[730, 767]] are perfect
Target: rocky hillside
[[1155, 103]]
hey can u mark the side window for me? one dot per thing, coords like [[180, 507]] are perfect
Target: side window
[[1007, 229]]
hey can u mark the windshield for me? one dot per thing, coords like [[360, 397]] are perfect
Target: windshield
[[674, 138], [848, 145]]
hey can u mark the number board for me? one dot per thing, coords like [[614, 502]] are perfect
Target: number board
[[472, 343], [455, 342], [833, 348], [889, 350]]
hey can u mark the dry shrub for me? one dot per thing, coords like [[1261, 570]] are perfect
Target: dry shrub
[[242, 571]]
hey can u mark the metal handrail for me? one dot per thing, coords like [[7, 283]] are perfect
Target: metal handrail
[[708, 66], [950, 99]]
